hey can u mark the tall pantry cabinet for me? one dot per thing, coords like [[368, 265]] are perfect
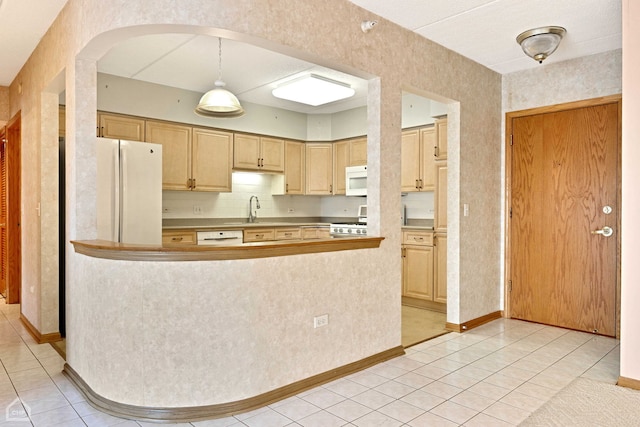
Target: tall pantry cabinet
[[424, 253]]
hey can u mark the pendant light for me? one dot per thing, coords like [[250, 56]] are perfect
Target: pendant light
[[219, 102], [539, 43]]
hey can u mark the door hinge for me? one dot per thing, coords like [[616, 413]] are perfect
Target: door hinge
[[511, 139], [510, 212], [510, 285]]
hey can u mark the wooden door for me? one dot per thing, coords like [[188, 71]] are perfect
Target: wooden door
[[176, 153], [212, 156], [564, 175], [14, 211]]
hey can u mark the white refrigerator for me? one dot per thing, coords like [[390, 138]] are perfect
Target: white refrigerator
[[129, 199]]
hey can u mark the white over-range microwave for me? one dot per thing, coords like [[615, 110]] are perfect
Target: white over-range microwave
[[356, 177]]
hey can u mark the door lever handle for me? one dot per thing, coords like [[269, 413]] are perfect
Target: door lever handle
[[606, 231]]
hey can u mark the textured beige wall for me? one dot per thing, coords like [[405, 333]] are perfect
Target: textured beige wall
[[257, 313], [4, 105]]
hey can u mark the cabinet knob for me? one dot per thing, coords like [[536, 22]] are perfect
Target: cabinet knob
[[176, 239], [194, 184]]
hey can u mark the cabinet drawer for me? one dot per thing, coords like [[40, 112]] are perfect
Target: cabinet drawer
[[288, 233], [424, 238], [179, 237], [259, 235]]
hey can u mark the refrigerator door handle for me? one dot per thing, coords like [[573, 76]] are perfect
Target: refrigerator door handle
[[120, 212], [115, 217]]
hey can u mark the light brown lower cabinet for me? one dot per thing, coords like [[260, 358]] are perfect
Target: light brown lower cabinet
[[424, 266], [440, 267], [178, 237], [309, 233], [252, 235]]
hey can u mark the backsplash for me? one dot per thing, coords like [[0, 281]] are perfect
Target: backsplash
[[185, 204]]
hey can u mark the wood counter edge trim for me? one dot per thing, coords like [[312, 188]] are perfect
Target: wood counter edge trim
[[36, 335], [200, 413], [116, 251], [473, 323], [628, 383]]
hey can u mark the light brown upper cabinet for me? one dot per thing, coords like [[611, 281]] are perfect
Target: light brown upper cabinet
[[341, 156], [292, 181], [440, 216], [319, 168], [358, 152], [176, 153], [258, 153], [211, 160], [121, 127], [417, 165], [441, 146]]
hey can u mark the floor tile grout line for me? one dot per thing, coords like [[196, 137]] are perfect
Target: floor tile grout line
[[45, 370]]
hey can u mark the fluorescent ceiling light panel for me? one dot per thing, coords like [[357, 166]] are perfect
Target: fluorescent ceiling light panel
[[313, 90]]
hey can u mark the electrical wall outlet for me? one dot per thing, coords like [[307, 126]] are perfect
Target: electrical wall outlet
[[197, 210], [320, 321]]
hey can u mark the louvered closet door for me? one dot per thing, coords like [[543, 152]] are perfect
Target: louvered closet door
[[3, 216]]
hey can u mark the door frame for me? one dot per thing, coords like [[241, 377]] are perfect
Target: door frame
[[612, 99]]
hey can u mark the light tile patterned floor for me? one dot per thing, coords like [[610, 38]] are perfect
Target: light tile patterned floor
[[494, 375]]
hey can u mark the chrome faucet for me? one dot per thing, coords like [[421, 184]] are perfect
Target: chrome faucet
[[253, 215]]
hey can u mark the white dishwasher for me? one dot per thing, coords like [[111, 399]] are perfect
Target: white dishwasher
[[220, 237]]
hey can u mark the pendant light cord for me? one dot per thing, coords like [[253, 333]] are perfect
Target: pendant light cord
[[219, 59]]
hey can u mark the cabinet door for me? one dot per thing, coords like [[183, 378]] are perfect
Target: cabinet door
[[246, 151], [440, 268], [176, 153], [428, 146], [410, 161], [179, 237], [271, 154], [442, 144], [340, 162], [288, 233], [258, 234], [294, 167], [358, 152], [318, 168], [121, 127], [417, 272], [440, 217], [212, 155]]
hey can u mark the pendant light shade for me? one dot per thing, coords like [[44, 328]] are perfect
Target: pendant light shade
[[219, 102], [539, 43]]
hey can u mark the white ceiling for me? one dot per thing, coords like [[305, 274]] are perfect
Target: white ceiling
[[486, 30], [482, 30]]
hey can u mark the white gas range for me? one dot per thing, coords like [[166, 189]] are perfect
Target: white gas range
[[348, 230], [351, 229]]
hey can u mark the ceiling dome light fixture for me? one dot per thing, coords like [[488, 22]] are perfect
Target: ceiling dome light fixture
[[219, 102], [539, 43]]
